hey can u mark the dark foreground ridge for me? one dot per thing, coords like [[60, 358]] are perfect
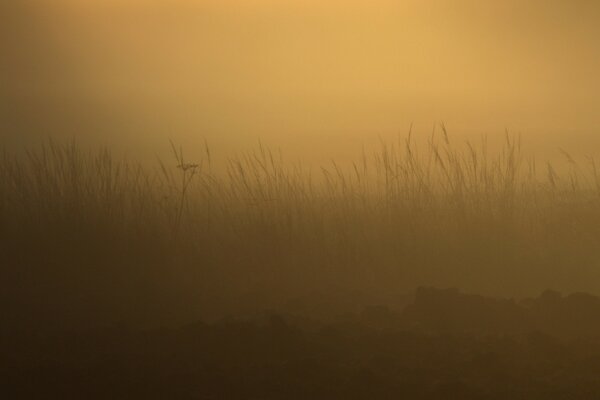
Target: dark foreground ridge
[[443, 345]]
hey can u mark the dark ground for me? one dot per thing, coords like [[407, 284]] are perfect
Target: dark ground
[[443, 345]]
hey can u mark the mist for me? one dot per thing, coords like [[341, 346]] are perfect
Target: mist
[[316, 79], [299, 199]]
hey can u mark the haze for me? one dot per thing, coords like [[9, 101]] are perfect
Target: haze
[[244, 199], [298, 74]]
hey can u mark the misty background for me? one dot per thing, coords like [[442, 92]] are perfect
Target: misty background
[[317, 79]]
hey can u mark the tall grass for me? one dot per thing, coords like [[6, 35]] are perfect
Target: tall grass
[[81, 229]]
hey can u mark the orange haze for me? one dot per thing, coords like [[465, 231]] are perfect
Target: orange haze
[[300, 74]]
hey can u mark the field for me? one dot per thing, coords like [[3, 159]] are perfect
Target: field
[[92, 239], [252, 277], [443, 345]]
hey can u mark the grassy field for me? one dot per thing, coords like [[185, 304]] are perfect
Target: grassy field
[[87, 236]]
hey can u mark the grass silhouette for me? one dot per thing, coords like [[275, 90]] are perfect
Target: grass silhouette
[[92, 237]]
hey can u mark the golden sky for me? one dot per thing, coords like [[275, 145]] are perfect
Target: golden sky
[[297, 72]]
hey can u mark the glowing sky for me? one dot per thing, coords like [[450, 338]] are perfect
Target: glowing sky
[[297, 71]]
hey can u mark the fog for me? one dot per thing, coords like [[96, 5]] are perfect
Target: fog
[[396, 264], [301, 75]]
